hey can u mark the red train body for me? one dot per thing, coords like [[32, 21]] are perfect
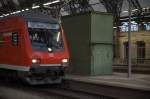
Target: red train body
[[34, 49]]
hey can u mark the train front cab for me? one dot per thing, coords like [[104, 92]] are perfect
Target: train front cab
[[36, 50], [49, 51]]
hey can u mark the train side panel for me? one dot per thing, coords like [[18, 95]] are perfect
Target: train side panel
[[13, 53], [52, 59]]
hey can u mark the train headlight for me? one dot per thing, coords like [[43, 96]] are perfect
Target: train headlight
[[35, 61], [49, 50], [65, 60]]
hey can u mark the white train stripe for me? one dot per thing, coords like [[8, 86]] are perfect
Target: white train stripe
[[50, 64], [15, 67]]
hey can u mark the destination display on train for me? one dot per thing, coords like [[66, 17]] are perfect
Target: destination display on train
[[43, 25]]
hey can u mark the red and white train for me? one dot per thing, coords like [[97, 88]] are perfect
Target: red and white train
[[33, 47]]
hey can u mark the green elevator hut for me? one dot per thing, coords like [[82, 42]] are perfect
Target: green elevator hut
[[90, 39]]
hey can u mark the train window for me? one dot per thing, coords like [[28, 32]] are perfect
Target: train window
[[15, 39], [46, 38], [42, 40], [1, 40]]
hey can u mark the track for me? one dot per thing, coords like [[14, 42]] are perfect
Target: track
[[15, 91], [21, 91], [75, 94], [108, 91], [69, 90]]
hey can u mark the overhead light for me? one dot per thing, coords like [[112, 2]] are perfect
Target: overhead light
[[18, 11], [15, 12], [124, 19], [12, 13], [51, 2], [134, 9], [34, 7], [125, 11], [1, 16], [26, 9], [144, 8], [6, 14], [132, 21]]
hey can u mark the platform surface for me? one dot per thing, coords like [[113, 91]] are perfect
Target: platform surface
[[136, 81]]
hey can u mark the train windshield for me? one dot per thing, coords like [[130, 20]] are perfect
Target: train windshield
[[45, 37]]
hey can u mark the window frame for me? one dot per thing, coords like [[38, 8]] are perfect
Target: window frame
[[1, 40], [15, 35]]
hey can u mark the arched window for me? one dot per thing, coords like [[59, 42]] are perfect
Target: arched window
[[140, 51], [126, 50]]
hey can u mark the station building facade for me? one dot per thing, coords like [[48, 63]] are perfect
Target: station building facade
[[140, 44]]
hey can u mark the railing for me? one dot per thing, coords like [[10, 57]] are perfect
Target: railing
[[138, 61]]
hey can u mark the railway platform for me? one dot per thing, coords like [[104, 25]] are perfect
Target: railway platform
[[117, 85], [137, 81]]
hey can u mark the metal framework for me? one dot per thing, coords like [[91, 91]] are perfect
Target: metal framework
[[136, 5], [78, 6], [8, 6], [72, 6], [114, 7]]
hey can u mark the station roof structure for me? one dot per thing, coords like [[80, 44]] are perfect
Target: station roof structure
[[119, 8], [8, 6]]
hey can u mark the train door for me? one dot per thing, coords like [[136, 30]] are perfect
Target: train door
[[11, 48], [2, 49]]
